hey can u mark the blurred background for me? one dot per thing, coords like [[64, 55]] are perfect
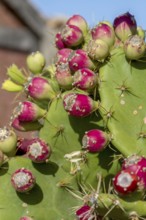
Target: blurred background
[[30, 25]]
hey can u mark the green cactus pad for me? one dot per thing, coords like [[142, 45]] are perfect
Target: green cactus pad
[[123, 102], [45, 201]]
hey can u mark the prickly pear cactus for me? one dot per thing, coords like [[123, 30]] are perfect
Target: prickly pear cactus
[[88, 112]]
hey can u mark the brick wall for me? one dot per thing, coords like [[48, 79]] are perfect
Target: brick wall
[[8, 57]]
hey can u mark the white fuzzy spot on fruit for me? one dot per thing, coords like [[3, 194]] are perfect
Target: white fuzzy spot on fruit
[[35, 150], [21, 179], [124, 180], [4, 133], [69, 101]]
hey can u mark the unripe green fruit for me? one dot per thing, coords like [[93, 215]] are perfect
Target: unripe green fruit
[[35, 62], [134, 47], [8, 141], [98, 50]]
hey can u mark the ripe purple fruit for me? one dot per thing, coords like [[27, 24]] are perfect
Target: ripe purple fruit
[[95, 140], [84, 212], [125, 26], [105, 32], [84, 79], [62, 55], [79, 105], [38, 150], [125, 182], [28, 112], [59, 42], [72, 36], [136, 164], [79, 59], [78, 21], [36, 62], [63, 76], [23, 180], [134, 47], [39, 88], [8, 141]]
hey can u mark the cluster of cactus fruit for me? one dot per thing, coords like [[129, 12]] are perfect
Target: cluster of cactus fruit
[[88, 111]]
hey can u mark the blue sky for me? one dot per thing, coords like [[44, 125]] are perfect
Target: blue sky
[[93, 10]]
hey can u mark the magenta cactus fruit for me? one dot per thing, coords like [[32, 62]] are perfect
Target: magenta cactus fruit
[[105, 32], [39, 88], [62, 55], [59, 42], [136, 164], [38, 150], [79, 59], [72, 36], [98, 50], [125, 26], [84, 212], [8, 141], [28, 112], [78, 21], [84, 79], [134, 47], [95, 140], [63, 76], [23, 180], [125, 182], [36, 62], [79, 105]]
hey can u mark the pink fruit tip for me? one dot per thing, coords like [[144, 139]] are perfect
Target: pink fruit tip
[[125, 25], [23, 180], [105, 32], [28, 111], [79, 105], [85, 79], [137, 165], [38, 150], [95, 140], [39, 88], [78, 21], [62, 55], [59, 42], [72, 36], [79, 59], [84, 212]]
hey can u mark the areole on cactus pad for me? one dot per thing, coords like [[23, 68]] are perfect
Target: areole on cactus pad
[[88, 160]]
